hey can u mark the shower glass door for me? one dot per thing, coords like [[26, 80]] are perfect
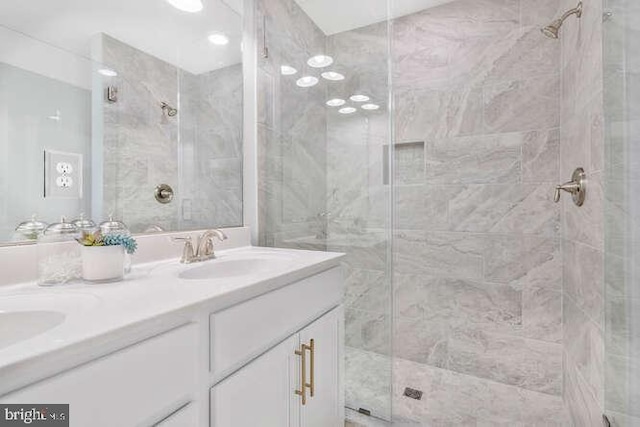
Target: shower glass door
[[323, 167], [622, 212]]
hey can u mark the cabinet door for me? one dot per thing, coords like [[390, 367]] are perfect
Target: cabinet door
[[324, 364], [260, 394]]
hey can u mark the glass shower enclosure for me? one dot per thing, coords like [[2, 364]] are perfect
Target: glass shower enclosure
[[324, 170]]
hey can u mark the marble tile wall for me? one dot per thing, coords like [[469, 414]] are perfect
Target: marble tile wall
[[582, 145], [198, 152], [211, 148], [291, 130], [622, 231], [477, 248], [140, 143]]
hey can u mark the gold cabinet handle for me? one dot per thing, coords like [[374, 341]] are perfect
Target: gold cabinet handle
[[303, 371], [311, 347]]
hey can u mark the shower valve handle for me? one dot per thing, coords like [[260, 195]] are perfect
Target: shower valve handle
[[569, 187], [576, 187]]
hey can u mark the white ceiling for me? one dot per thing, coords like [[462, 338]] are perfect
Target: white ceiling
[[153, 26], [336, 16]]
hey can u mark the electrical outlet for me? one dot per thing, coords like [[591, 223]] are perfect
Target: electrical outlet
[[64, 181], [64, 168], [62, 175]]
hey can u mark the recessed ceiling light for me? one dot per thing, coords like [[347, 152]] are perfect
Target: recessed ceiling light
[[370, 107], [191, 6], [336, 102], [320, 61], [359, 98], [219, 39], [332, 75], [347, 110], [287, 70], [307, 81], [108, 72]]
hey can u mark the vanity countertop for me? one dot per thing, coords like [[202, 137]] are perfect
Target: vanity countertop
[[92, 317]]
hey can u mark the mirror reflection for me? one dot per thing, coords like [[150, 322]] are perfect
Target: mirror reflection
[[129, 110]]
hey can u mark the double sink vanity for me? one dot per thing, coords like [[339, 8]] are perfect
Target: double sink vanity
[[251, 338]]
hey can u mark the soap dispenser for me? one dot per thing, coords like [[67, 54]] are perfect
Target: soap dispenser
[[59, 254]]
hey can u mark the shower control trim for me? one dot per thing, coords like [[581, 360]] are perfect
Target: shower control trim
[[577, 187]]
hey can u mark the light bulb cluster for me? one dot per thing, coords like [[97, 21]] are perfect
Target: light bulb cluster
[[323, 61], [318, 61], [358, 99]]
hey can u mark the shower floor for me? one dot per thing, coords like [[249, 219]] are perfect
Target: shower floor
[[449, 398]]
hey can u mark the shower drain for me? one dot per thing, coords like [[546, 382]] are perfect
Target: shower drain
[[413, 393]]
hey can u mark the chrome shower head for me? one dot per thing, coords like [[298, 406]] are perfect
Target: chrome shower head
[[171, 112], [552, 30]]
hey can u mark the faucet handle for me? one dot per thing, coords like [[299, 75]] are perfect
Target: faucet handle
[[188, 254], [576, 187]]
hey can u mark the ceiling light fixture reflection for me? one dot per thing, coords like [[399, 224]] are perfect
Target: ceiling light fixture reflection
[[347, 110], [332, 75], [107, 72], [359, 98], [191, 6], [336, 102], [320, 61], [307, 81], [287, 70], [219, 39], [370, 107]]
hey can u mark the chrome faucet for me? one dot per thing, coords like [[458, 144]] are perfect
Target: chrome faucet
[[188, 254], [204, 249]]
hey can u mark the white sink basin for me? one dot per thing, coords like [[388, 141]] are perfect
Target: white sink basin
[[233, 267], [25, 316], [21, 325]]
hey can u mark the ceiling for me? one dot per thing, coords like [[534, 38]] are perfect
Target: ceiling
[[336, 16], [153, 26]]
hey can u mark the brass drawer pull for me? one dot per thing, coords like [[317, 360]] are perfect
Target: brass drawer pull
[[311, 347], [303, 371]]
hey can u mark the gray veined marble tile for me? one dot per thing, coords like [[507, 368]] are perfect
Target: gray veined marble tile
[[584, 346], [421, 340], [542, 314], [583, 408], [622, 391], [441, 254], [584, 278], [523, 261], [521, 105], [506, 208], [427, 114], [368, 290], [530, 364], [368, 331], [368, 379], [457, 302], [474, 160], [454, 399], [540, 156]]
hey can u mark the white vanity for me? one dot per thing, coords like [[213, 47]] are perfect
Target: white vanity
[[252, 338]]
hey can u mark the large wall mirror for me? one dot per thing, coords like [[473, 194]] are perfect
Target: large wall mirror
[[130, 109]]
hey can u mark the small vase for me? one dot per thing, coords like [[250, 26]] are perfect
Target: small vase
[[102, 263]]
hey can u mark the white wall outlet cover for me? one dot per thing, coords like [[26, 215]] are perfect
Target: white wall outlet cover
[[62, 175]]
